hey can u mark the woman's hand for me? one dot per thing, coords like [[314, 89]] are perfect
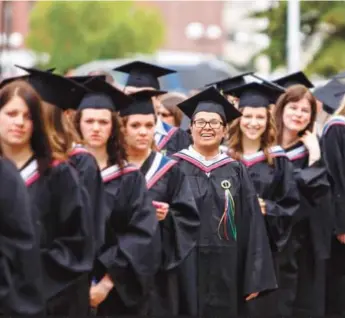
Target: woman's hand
[[100, 291], [162, 209], [312, 144]]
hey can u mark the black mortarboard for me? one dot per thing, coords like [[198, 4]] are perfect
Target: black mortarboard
[[293, 79], [210, 100], [231, 82], [86, 78], [330, 95], [143, 74], [142, 103], [104, 96], [256, 94], [54, 89]]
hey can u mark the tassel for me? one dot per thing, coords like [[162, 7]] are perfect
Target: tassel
[[228, 217]]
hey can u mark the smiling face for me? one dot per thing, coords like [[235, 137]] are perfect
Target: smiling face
[[96, 127], [253, 122], [139, 131], [297, 115], [16, 126], [207, 129]]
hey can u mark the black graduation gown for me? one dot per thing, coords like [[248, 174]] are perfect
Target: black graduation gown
[[21, 290], [90, 177], [303, 289], [178, 233], [229, 266], [333, 149], [62, 226], [129, 253], [276, 185], [170, 139]]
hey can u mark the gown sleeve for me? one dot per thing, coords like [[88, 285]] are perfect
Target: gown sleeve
[[256, 261], [70, 253], [21, 290], [131, 262], [90, 178], [282, 202], [333, 149], [180, 228]]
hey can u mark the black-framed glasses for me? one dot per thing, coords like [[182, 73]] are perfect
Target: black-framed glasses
[[214, 123]]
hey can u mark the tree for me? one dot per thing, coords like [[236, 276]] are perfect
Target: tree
[[76, 32], [321, 18]]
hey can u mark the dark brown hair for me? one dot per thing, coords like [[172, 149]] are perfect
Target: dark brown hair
[[294, 94], [115, 144], [268, 138], [39, 140]]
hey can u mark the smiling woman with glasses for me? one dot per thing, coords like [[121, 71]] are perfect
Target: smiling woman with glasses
[[232, 261]]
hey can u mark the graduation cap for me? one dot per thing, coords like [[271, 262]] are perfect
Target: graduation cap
[[256, 94], [231, 82], [142, 103], [330, 95], [86, 78], [293, 79], [53, 89], [104, 96], [143, 74], [210, 100]]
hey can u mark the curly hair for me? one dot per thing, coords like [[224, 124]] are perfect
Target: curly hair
[[294, 94], [115, 144], [39, 141], [268, 138]]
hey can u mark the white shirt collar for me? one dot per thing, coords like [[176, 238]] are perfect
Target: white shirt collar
[[201, 158], [160, 128]]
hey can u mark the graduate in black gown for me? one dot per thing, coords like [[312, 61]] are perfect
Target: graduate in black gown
[[21, 290], [332, 142], [60, 117], [303, 291], [125, 264], [175, 206], [233, 260], [252, 140], [143, 75], [61, 218]]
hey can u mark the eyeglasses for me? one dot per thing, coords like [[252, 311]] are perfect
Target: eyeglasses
[[214, 123]]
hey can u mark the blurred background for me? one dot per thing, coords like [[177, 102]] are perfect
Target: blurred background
[[204, 40]]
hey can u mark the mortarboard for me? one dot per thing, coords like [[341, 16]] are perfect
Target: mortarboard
[[293, 79], [104, 96], [330, 95], [210, 100], [142, 103], [256, 94], [86, 78], [143, 74], [231, 82], [53, 89]]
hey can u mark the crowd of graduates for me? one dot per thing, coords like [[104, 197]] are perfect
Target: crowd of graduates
[[142, 202]]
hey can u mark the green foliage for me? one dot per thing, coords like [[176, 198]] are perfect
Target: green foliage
[[76, 32], [330, 59]]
